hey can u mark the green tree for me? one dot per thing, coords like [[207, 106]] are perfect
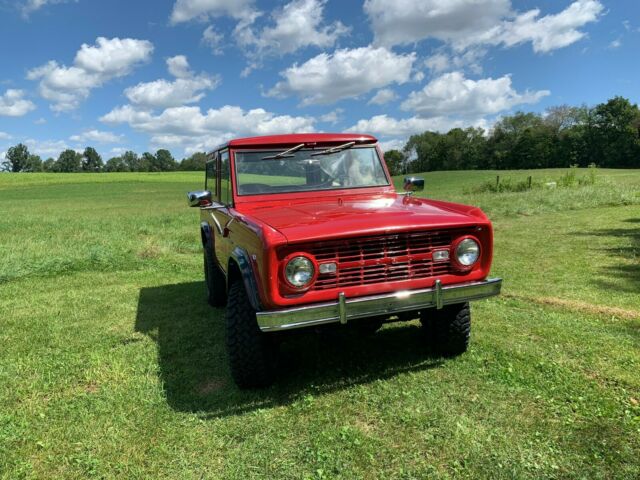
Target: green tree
[[91, 160], [195, 162], [17, 158], [616, 124], [147, 162], [116, 164], [49, 165], [34, 164], [395, 161], [164, 162], [69, 161], [131, 160]]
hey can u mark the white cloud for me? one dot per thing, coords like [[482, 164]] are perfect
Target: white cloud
[[453, 94], [178, 66], [297, 25], [185, 10], [394, 144], [46, 148], [188, 87], [347, 73], [465, 23], [408, 21], [386, 126], [30, 6], [333, 116], [549, 32], [97, 136], [94, 65], [213, 40], [188, 127], [383, 96], [617, 43], [40, 121], [12, 104], [5, 136]]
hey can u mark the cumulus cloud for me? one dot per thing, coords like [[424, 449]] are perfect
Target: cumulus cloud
[[185, 10], [188, 87], [97, 136], [189, 127], [12, 103], [296, 25], [46, 148], [5, 136], [333, 116], [383, 96], [465, 23], [386, 126], [453, 94], [213, 40], [346, 73], [30, 6], [66, 87]]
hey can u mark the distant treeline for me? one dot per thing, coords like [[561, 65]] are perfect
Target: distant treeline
[[19, 159], [607, 135]]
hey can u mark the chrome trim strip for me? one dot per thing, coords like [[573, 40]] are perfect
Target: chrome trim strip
[[346, 309]]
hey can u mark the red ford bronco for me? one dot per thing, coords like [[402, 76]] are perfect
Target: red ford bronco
[[304, 230]]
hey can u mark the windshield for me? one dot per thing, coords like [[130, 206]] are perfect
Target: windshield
[[301, 171]]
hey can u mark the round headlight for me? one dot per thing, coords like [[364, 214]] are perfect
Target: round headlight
[[467, 252], [299, 271]]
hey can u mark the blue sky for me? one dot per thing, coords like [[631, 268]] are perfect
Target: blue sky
[[189, 74]]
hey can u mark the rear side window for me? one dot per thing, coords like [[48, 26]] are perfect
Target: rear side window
[[211, 183], [225, 179]]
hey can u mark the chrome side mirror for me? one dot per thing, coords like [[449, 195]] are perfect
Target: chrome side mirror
[[413, 184], [199, 198]]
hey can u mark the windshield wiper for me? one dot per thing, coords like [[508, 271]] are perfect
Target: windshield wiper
[[285, 154], [334, 149]]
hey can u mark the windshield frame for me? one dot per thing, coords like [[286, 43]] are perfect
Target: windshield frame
[[388, 184]]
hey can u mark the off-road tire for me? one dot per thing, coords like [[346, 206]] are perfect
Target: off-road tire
[[252, 354], [448, 330], [214, 280]]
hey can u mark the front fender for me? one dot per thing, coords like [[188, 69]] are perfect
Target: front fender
[[248, 275]]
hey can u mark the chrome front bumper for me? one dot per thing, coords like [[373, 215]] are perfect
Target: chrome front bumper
[[346, 309]]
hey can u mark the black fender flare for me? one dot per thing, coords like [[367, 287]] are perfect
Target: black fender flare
[[243, 261], [207, 238]]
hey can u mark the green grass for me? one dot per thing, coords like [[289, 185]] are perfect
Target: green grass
[[113, 366]]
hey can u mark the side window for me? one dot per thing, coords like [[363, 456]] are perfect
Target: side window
[[225, 179], [210, 182]]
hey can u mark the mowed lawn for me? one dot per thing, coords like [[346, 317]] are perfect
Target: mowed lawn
[[113, 366]]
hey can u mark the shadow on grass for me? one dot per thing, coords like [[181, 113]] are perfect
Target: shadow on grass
[[193, 363], [629, 274]]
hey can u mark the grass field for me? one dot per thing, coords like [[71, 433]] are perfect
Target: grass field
[[112, 365]]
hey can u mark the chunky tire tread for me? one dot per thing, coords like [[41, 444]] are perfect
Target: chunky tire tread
[[448, 329], [252, 355], [214, 280]]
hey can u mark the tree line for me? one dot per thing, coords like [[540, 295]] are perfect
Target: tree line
[[607, 135], [19, 159]]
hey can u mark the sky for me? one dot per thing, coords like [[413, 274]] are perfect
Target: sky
[[188, 75]]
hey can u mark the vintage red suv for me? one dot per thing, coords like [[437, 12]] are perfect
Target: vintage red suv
[[304, 230]]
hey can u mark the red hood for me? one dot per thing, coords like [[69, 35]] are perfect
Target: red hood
[[338, 217]]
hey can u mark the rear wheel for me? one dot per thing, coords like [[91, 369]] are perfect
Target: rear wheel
[[252, 354], [448, 329], [214, 279]]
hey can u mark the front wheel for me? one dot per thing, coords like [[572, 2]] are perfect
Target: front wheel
[[448, 330], [252, 353]]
